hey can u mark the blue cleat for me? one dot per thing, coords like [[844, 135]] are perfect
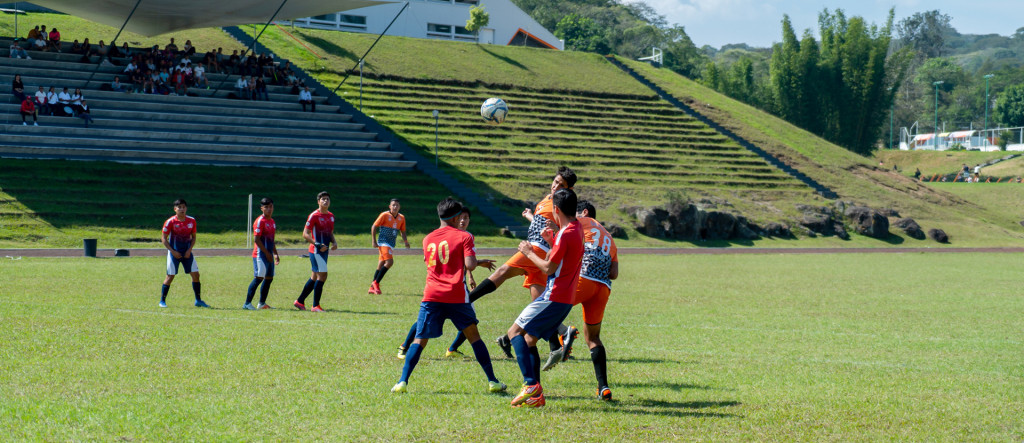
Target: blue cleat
[[163, 304], [201, 304]]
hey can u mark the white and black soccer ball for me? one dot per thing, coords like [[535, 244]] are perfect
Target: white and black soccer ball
[[494, 110]]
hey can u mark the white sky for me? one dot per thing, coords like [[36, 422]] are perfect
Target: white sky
[[759, 23]]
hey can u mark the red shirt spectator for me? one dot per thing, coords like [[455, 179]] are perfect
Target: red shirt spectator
[[27, 106]]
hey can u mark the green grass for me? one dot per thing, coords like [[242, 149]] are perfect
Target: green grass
[[441, 60], [751, 347], [125, 205], [949, 162], [73, 28]]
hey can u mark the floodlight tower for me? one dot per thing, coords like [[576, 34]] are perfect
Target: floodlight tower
[[937, 113]]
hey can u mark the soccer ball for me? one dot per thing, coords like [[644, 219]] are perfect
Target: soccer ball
[[494, 110]]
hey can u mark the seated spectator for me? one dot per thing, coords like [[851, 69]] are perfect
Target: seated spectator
[[83, 113], [199, 76], [43, 43], [116, 85], [138, 80], [55, 40], [261, 90], [189, 49], [86, 48], [171, 47], [306, 98], [33, 35], [18, 88], [126, 51], [41, 101], [164, 75], [76, 48], [180, 81], [252, 88], [234, 62], [132, 67], [18, 52], [242, 87], [53, 101], [212, 61], [29, 108], [76, 100], [64, 104]]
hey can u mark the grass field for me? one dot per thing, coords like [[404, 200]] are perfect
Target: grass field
[[913, 347]]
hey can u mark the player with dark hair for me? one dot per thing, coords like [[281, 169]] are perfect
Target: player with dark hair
[[543, 315], [391, 223], [600, 267], [540, 219], [179, 237], [319, 231], [263, 230], [448, 253]]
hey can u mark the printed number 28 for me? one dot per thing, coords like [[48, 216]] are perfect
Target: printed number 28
[[433, 250]]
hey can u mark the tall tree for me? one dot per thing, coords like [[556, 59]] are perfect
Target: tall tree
[[1010, 106], [925, 32]]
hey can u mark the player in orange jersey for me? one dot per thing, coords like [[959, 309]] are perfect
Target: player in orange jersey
[[390, 223]]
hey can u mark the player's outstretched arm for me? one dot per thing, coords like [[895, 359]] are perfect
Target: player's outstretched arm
[[528, 214]]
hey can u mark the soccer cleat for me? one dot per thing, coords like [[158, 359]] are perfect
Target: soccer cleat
[[299, 306], [201, 304], [399, 388], [604, 393], [454, 354], [248, 307], [554, 358], [263, 306], [567, 341], [534, 402], [505, 345], [163, 304], [401, 352], [317, 308], [496, 386], [526, 393], [374, 289]]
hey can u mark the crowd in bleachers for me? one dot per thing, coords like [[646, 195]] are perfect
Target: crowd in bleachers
[[171, 70]]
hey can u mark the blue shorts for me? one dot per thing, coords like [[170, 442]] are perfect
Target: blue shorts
[[318, 260], [541, 318], [262, 267], [188, 264], [433, 314]]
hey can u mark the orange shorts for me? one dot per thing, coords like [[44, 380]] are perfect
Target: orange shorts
[[594, 297], [385, 252], [533, 275]]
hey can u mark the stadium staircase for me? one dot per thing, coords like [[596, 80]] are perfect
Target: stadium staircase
[[209, 128], [771, 159]]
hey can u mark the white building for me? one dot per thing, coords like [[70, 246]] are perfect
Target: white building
[[442, 19]]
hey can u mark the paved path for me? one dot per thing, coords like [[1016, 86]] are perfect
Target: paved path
[[154, 252]]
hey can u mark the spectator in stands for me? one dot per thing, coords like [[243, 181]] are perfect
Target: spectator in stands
[[242, 87], [33, 35], [18, 52], [180, 81], [173, 48], [261, 90], [189, 49], [132, 67], [53, 101], [44, 38], [29, 108], [917, 174], [306, 98], [76, 48], [41, 101], [234, 62], [18, 88], [212, 61], [101, 49], [54, 40], [76, 100], [164, 75], [199, 76], [116, 85], [64, 103], [85, 49], [83, 113]]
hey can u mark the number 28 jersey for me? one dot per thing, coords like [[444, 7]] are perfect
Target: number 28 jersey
[[444, 253], [599, 252]]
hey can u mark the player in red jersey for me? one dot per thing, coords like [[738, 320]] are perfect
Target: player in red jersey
[[541, 218], [543, 315], [179, 237], [390, 223], [600, 267], [263, 230], [449, 253], [319, 231]]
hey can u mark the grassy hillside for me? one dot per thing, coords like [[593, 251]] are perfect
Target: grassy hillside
[[948, 162]]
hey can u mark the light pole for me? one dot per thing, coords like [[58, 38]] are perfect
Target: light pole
[[892, 106], [986, 106], [436, 113], [937, 113]]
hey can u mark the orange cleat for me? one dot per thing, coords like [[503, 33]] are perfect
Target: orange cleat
[[317, 308], [528, 392]]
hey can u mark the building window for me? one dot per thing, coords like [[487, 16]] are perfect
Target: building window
[[353, 19], [325, 18], [462, 33], [434, 28], [468, 2]]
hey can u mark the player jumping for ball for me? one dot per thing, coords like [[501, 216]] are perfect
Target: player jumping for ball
[[543, 315], [179, 237], [390, 223], [448, 253]]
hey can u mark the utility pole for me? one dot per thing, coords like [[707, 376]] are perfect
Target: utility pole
[[937, 113], [986, 106]]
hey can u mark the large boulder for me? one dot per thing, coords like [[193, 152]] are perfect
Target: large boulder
[[615, 230], [819, 223], [719, 225], [910, 227], [867, 221], [647, 222], [777, 230], [938, 235]]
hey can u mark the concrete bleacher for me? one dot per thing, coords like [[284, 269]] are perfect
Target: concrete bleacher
[[208, 128]]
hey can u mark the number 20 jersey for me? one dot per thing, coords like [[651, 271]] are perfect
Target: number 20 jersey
[[599, 252], [444, 252]]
